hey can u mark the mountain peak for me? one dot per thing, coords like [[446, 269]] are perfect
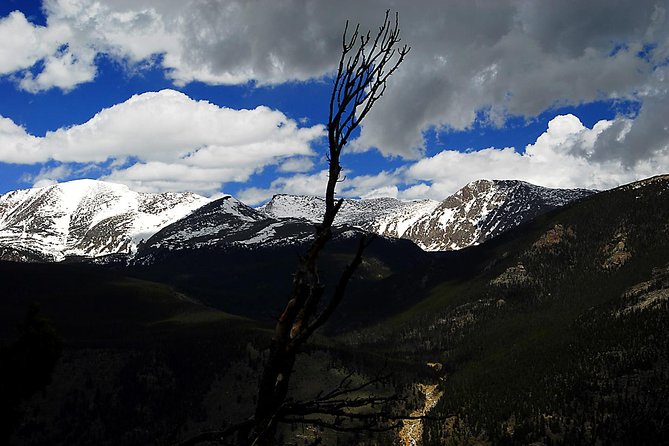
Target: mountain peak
[[88, 218], [92, 218], [484, 209], [478, 211]]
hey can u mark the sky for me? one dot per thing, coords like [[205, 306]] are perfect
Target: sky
[[231, 97]]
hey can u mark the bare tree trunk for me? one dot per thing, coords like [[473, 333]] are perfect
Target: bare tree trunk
[[364, 67]]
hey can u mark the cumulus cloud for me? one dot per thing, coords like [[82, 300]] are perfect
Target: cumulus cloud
[[65, 70], [172, 140], [298, 164], [23, 44], [168, 125], [564, 156], [383, 184], [490, 57], [637, 140], [487, 59], [156, 176], [48, 176], [511, 58], [299, 184], [16, 145]]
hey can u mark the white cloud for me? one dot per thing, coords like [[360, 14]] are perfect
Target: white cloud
[[382, 192], [76, 32], [49, 175], [16, 145], [499, 57], [64, 70], [298, 184], [382, 184], [172, 177], [156, 176], [174, 140], [23, 44], [564, 156], [168, 124], [416, 192], [561, 157], [299, 164]]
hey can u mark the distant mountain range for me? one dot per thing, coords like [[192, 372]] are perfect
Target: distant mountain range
[[479, 211], [93, 219], [85, 218], [555, 331]]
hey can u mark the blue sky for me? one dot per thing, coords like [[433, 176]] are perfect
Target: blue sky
[[231, 97]]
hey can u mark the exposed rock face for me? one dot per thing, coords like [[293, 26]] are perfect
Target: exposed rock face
[[484, 209], [616, 253], [513, 276], [647, 295], [554, 237], [479, 211], [411, 433]]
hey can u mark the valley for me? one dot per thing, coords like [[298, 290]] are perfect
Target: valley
[[552, 332]]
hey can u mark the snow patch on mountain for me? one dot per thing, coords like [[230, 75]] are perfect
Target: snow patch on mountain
[[484, 209], [93, 219], [386, 216], [87, 218], [477, 212]]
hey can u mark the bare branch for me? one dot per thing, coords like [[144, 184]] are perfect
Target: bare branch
[[365, 65], [339, 292], [344, 387], [364, 81]]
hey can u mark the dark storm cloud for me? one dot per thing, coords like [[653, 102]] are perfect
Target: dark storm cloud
[[634, 141], [497, 57]]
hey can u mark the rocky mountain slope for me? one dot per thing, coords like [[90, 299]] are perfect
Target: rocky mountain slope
[[555, 332], [479, 211], [84, 218], [484, 209], [225, 223], [386, 216], [90, 219]]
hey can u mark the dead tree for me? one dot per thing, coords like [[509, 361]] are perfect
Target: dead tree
[[366, 63]]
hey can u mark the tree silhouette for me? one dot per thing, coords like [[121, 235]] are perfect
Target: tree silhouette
[[366, 63]]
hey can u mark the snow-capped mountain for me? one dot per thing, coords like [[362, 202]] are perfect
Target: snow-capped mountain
[[85, 218], [386, 216], [224, 221], [227, 223], [484, 209], [477, 212]]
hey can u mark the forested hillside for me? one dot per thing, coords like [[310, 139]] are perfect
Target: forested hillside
[[562, 335]]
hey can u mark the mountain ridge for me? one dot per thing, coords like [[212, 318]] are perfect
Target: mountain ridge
[[480, 210], [555, 331], [91, 219], [88, 218]]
